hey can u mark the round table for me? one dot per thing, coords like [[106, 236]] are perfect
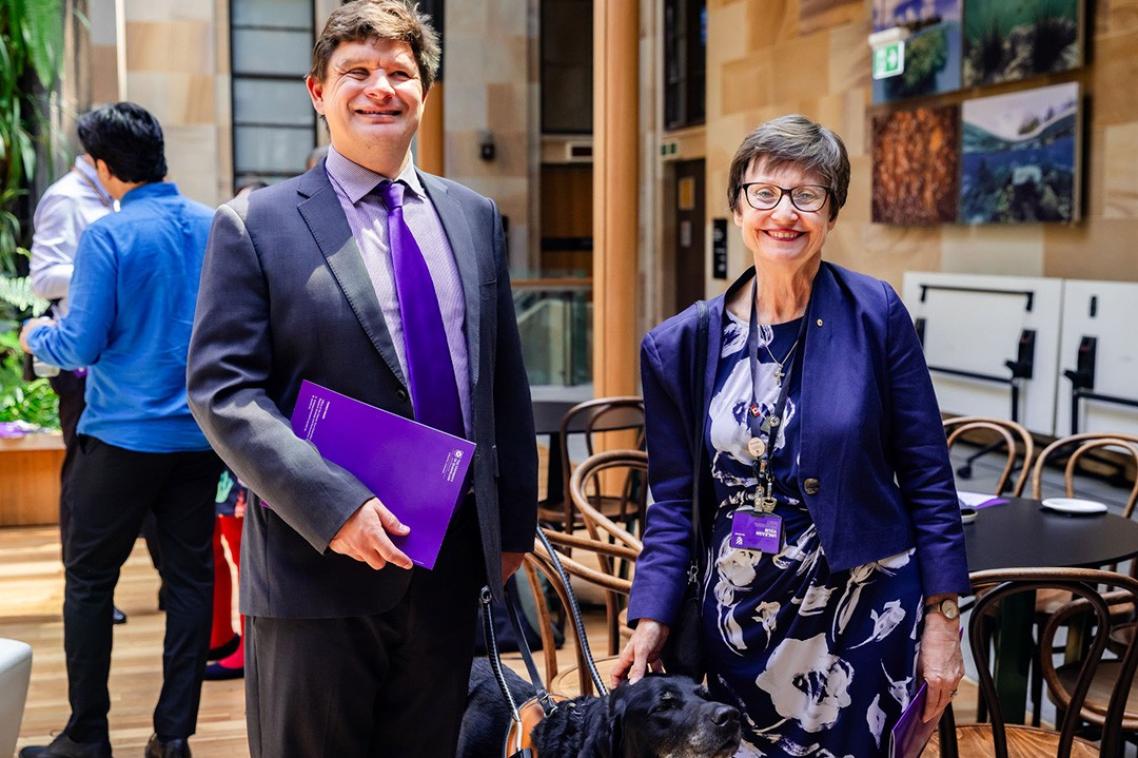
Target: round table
[[1023, 534]]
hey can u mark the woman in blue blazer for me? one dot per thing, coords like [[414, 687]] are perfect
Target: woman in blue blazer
[[834, 547]]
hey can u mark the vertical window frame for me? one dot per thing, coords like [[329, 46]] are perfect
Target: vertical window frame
[[234, 75]]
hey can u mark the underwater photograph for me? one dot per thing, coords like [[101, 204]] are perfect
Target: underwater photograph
[[915, 160], [1020, 157], [1015, 39]]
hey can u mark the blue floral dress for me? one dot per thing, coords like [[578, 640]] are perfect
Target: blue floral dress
[[820, 662]]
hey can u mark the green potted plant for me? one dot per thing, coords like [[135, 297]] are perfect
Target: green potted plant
[[31, 42]]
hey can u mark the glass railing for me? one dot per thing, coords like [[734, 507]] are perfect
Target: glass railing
[[555, 319]]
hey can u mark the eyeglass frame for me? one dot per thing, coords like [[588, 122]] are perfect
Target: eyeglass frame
[[786, 192]]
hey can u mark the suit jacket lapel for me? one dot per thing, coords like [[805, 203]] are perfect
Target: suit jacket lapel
[[321, 211], [466, 256]]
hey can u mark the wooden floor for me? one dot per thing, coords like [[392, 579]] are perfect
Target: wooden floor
[[31, 600]]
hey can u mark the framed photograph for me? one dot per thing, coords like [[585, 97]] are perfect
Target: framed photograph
[[1020, 157], [1010, 41], [915, 166]]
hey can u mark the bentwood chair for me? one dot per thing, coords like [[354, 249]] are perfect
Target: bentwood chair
[[626, 467], [574, 680], [1001, 739], [603, 422], [1048, 603], [1062, 680], [1013, 437]]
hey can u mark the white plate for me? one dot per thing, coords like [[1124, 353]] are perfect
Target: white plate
[[1074, 505]]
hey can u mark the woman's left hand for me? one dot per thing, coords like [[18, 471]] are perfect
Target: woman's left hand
[[940, 664]]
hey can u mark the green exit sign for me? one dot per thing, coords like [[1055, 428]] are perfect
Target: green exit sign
[[889, 60]]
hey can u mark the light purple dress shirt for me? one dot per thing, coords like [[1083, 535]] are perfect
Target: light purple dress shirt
[[67, 208], [367, 218]]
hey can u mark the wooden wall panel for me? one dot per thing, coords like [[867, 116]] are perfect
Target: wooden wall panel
[[770, 57]]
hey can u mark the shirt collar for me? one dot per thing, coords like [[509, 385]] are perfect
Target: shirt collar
[[151, 189], [355, 181], [88, 171]]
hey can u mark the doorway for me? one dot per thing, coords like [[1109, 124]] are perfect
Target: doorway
[[689, 208]]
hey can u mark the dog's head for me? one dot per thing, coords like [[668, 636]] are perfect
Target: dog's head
[[670, 717]]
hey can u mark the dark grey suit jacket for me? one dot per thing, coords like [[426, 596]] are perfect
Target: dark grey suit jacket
[[285, 297]]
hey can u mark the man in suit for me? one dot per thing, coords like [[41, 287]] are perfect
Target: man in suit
[[390, 286]]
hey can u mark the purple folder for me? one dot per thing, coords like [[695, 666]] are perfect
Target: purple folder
[[910, 734], [418, 472]]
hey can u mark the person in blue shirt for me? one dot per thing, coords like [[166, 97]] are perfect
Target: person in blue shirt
[[132, 300]]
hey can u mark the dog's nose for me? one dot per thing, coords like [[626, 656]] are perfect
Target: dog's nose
[[724, 715]]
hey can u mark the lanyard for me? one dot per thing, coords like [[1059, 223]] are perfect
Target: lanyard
[[766, 431]]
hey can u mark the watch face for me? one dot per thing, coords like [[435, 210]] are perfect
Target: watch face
[[950, 609]]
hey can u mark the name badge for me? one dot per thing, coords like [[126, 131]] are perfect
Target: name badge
[[756, 531]]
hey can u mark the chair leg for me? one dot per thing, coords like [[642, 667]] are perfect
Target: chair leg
[[946, 730], [1037, 686], [986, 632]]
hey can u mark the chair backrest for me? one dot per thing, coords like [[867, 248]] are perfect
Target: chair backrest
[[1067, 616], [540, 563], [1079, 445], [631, 467], [1084, 585], [1015, 437], [592, 419]]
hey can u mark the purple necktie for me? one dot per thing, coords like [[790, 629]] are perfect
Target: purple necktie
[[430, 372]]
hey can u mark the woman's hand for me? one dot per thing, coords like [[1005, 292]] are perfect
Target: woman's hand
[[641, 652], [940, 663]]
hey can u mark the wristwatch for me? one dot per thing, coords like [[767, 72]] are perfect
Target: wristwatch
[[947, 608]]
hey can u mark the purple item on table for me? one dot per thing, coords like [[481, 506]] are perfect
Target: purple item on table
[[417, 472], [989, 503], [911, 734]]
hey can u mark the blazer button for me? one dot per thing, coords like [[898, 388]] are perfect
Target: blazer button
[[401, 394], [811, 486]]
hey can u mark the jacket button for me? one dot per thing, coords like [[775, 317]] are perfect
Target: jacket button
[[401, 394], [811, 486]]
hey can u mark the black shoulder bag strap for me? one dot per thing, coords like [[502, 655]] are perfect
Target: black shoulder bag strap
[[700, 364]]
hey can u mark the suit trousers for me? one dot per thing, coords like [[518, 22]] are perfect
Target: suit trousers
[[389, 685], [109, 490]]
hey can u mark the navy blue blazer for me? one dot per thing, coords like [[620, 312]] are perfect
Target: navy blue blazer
[[871, 438]]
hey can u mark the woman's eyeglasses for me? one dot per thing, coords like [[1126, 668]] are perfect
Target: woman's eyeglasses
[[809, 198]]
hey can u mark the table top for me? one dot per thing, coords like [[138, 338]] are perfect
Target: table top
[[1023, 534], [547, 415]]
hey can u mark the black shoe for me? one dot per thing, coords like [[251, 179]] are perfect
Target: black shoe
[[215, 672], [225, 650], [156, 748], [117, 616], [65, 747]]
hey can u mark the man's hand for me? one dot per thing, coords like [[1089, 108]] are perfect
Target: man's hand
[[511, 562], [641, 653], [29, 326], [940, 663], [364, 536]]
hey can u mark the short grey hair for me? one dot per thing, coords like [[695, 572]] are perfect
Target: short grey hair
[[794, 140]]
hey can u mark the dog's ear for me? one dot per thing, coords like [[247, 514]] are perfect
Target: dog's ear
[[615, 744]]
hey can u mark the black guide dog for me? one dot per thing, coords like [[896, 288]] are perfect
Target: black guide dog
[[658, 717]]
